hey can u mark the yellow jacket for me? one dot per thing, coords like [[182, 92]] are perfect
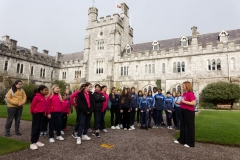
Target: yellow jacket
[[19, 97]]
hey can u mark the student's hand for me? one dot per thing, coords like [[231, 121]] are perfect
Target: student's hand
[[121, 111], [129, 110], [141, 110], [49, 116], [183, 101], [116, 99], [19, 104], [136, 109], [147, 110]]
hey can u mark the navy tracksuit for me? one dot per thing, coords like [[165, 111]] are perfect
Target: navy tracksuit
[[169, 105], [133, 105], [159, 106], [144, 107], [139, 98], [152, 103]]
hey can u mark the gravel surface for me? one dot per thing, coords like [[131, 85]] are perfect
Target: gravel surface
[[137, 144]]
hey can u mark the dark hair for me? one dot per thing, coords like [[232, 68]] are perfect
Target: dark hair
[[168, 92], [97, 85], [103, 87], [139, 91], [64, 94], [132, 88], [14, 88], [149, 93], [87, 84], [113, 88], [39, 89], [124, 95], [155, 88], [159, 89], [82, 87]]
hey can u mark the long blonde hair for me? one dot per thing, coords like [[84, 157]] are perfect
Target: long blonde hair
[[51, 93]]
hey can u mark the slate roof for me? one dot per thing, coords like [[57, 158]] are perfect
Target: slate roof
[[72, 56]]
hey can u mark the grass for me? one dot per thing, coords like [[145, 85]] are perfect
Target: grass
[[11, 145], [218, 127], [26, 115]]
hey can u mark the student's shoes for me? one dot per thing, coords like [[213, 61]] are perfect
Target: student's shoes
[[79, 140], [62, 133], [129, 129], [89, 130], [146, 128], [170, 127], [142, 127], [51, 140], [176, 141], [154, 126], [96, 134], [125, 129], [44, 133], [104, 130], [121, 126], [33, 146], [132, 127], [139, 124], [74, 135], [41, 134], [85, 137], [18, 134], [113, 127], [60, 138], [185, 145], [117, 127], [40, 144], [150, 127]]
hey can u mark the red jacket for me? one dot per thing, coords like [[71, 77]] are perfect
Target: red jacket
[[54, 104], [105, 103], [73, 98], [66, 106], [39, 104]]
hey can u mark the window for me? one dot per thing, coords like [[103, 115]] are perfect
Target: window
[[155, 45], [218, 64], [149, 68], [77, 74], [174, 67], [128, 48], [209, 65], [6, 66], [99, 68], [41, 71], [100, 44], [31, 70], [137, 68], [153, 69], [178, 67], [64, 75], [179, 88], [213, 65], [149, 88], [18, 68], [121, 71], [127, 70], [223, 36], [163, 68], [52, 74], [124, 70], [21, 70], [145, 89], [232, 64], [183, 66], [146, 69], [184, 41]]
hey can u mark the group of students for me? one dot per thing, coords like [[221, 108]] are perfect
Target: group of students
[[124, 107]]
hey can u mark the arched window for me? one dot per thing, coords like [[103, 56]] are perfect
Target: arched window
[[31, 70], [18, 68], [178, 67], [41, 72], [155, 45], [174, 67], [153, 68], [209, 64], [21, 70], [213, 65], [163, 68], [121, 71], [6, 66], [52, 74], [146, 69], [128, 48], [137, 68], [232, 64], [183, 66], [149, 88], [149, 68], [145, 89], [218, 64], [179, 88]]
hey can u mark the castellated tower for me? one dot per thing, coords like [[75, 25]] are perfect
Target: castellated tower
[[105, 39]]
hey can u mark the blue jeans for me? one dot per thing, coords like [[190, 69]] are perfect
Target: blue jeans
[[159, 117], [97, 118], [84, 123]]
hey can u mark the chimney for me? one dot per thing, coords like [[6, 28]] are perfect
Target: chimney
[[45, 52], [34, 50], [194, 32], [13, 44], [58, 56], [5, 39]]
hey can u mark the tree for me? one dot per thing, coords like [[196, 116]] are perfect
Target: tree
[[158, 83], [29, 90], [62, 85], [221, 93]]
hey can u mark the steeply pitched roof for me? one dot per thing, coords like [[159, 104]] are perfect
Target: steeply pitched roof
[[72, 56]]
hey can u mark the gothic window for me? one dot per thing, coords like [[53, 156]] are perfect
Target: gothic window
[[41, 71], [21, 70], [149, 88], [99, 68], [232, 64], [137, 68], [145, 89], [183, 66], [121, 71], [124, 70], [209, 65], [6, 66], [128, 48], [155, 45], [179, 88], [100, 44], [146, 69], [174, 67], [64, 75], [18, 68], [223, 36], [184, 41], [153, 69], [31, 70], [52, 74], [149, 68], [213, 65], [178, 67], [218, 64], [127, 70], [163, 68]]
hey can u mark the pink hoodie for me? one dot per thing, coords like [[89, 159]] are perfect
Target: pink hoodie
[[105, 103], [54, 104], [66, 107], [39, 104], [73, 98]]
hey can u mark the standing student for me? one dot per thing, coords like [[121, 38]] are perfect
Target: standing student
[[169, 107], [99, 99], [174, 113], [139, 98], [45, 120], [177, 103], [115, 111], [159, 106], [16, 98], [154, 109], [144, 109], [105, 106], [86, 104], [151, 101], [38, 109], [54, 112], [68, 94], [73, 100], [125, 109], [187, 126], [134, 107], [66, 107], [120, 114]]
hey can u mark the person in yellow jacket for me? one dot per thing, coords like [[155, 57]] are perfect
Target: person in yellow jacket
[[16, 98]]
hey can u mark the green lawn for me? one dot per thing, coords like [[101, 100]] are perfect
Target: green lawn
[[10, 145], [71, 119], [219, 127]]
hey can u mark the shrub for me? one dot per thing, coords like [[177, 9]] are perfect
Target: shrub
[[29, 90]]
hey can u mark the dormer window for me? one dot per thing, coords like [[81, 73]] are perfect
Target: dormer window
[[128, 48], [155, 45], [223, 36], [184, 41]]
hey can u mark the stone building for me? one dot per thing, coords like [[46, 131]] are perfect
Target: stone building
[[111, 58]]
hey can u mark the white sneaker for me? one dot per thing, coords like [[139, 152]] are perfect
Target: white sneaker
[[85, 137], [125, 129], [117, 127], [33, 146], [154, 126], [129, 129], [185, 145], [51, 140], [79, 140], [62, 133], [60, 138], [132, 127], [121, 126], [104, 130], [40, 144], [176, 141], [113, 127], [170, 127]]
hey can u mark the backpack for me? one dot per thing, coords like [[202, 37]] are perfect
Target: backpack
[[5, 99]]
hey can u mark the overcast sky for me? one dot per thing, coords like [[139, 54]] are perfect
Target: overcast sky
[[59, 25]]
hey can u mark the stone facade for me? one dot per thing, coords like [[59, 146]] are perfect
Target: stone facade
[[111, 58]]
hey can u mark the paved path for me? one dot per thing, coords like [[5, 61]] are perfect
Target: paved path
[[138, 144]]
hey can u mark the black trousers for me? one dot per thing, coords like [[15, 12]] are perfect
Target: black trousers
[[126, 118], [144, 119], [150, 115], [44, 124], [154, 116], [77, 120], [36, 126], [64, 120], [138, 116], [102, 121], [169, 118], [84, 123], [132, 118], [115, 111], [55, 121], [178, 116], [174, 118], [13, 113], [187, 128], [97, 118]]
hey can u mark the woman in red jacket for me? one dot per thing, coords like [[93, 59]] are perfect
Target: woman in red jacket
[[38, 109]]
